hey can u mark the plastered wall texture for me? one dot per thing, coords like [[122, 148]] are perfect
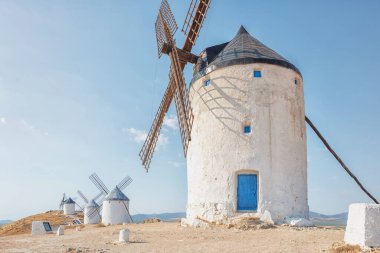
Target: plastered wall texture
[[115, 212], [363, 225], [275, 149], [69, 208]]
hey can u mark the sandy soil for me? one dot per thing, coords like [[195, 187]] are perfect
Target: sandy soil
[[24, 226], [171, 237]]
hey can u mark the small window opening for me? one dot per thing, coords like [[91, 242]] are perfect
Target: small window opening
[[247, 129], [257, 73], [296, 81], [207, 82]]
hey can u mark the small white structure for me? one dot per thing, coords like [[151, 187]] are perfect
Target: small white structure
[[363, 225], [69, 206], [60, 231], [247, 152], [92, 213], [124, 235], [41, 227], [115, 208]]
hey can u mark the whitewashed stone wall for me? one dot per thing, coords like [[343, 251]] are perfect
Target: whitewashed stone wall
[[91, 215], [363, 225], [69, 208], [115, 212], [275, 149]]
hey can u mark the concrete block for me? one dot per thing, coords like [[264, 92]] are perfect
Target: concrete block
[[41, 227], [124, 235], [363, 225], [60, 231]]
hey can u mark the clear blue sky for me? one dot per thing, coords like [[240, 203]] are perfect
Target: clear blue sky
[[80, 83]]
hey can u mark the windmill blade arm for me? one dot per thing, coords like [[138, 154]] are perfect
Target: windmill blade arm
[[124, 183], [194, 21], [99, 183], [150, 143], [95, 211], [82, 196], [184, 112], [98, 196], [62, 201], [79, 206]]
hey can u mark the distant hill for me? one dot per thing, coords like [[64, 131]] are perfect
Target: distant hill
[[318, 219], [162, 216], [3, 222]]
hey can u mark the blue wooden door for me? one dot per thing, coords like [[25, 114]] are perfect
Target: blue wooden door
[[247, 192]]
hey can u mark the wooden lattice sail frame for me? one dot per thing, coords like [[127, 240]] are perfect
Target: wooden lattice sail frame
[[166, 27]]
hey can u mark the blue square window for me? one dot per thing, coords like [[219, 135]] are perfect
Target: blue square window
[[247, 129], [207, 82], [257, 73]]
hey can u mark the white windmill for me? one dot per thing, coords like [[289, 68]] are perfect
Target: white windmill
[[115, 204], [242, 124], [68, 205], [91, 207]]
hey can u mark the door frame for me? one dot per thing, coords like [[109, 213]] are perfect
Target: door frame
[[247, 172]]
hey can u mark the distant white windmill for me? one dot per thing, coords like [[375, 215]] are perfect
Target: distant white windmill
[[68, 205], [91, 207], [116, 204]]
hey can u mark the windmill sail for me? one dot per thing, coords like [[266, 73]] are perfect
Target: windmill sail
[[166, 27]]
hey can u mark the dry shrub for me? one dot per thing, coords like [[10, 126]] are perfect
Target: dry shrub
[[151, 220], [100, 225], [345, 248]]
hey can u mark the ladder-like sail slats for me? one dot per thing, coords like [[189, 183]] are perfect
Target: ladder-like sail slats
[[99, 183], [194, 21], [166, 27], [147, 149], [82, 196], [124, 183]]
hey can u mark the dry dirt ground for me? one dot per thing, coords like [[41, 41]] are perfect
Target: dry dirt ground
[[23, 226], [171, 237]]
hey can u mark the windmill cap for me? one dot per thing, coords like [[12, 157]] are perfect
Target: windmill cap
[[116, 194], [242, 49], [69, 201], [92, 203]]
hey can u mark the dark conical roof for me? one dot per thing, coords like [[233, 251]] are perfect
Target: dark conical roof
[[116, 194], [92, 203], [242, 49], [69, 201]]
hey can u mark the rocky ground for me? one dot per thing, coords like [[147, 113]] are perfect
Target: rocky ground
[[24, 226], [171, 237], [244, 235]]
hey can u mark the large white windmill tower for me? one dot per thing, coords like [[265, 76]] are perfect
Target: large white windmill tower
[[248, 141], [115, 206], [242, 123]]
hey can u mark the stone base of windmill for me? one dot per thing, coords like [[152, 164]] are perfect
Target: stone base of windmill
[[206, 214], [363, 225], [221, 216]]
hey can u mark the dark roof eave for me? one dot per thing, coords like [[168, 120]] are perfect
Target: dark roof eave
[[247, 60]]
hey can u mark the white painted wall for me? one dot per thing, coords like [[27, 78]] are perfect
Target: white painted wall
[[363, 225], [114, 212], [69, 209], [91, 219], [275, 150], [38, 228]]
